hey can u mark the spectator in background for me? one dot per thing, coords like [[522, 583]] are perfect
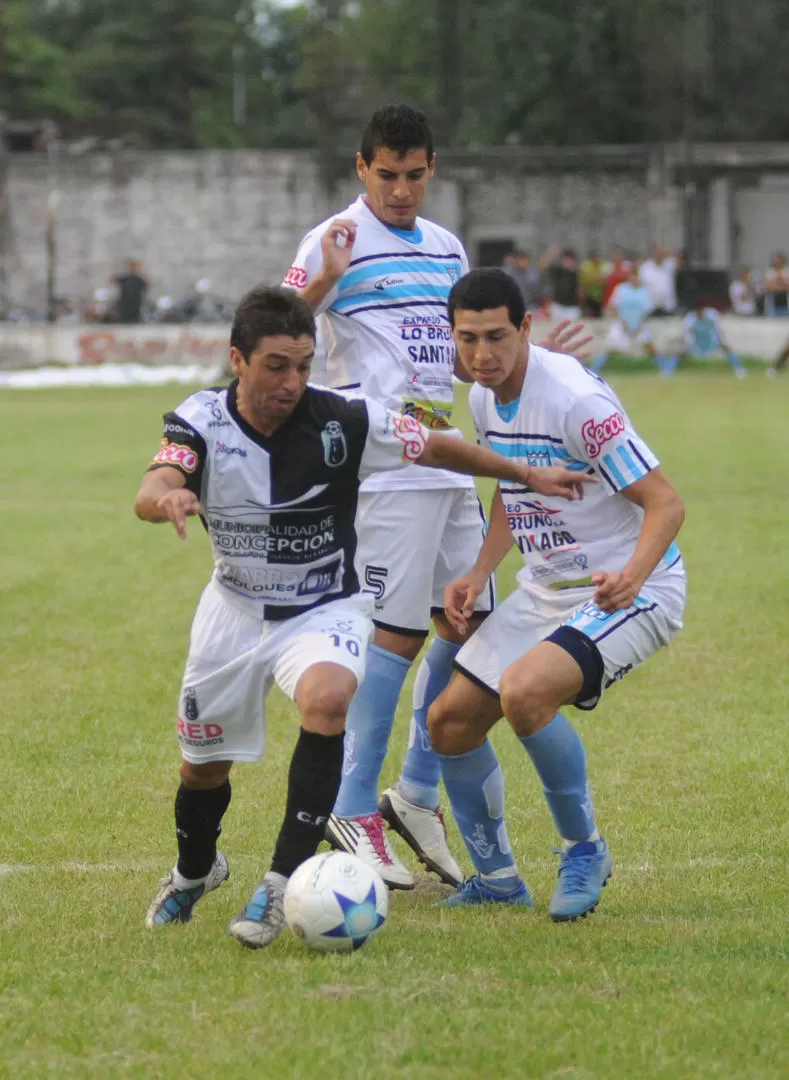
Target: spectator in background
[[617, 271], [776, 286], [132, 287], [528, 278], [743, 293], [658, 275], [561, 269], [591, 276]]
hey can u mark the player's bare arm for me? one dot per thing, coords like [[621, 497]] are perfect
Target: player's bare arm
[[664, 514], [163, 497], [447, 452], [337, 249], [460, 595]]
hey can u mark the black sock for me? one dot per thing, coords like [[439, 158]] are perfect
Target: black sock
[[198, 816], [313, 783]]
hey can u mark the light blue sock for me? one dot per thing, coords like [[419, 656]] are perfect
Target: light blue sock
[[475, 785], [735, 362], [421, 773], [367, 731], [600, 363], [557, 754], [667, 364]]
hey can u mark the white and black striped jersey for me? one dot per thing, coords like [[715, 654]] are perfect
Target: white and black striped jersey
[[280, 509]]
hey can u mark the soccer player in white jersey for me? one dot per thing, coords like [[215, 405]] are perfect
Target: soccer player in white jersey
[[273, 465], [378, 277], [602, 588]]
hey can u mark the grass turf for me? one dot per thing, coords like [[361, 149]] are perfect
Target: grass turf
[[680, 973]]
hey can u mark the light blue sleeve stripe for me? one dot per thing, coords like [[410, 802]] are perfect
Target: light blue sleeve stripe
[[392, 266], [613, 468], [627, 458], [672, 553], [397, 292]]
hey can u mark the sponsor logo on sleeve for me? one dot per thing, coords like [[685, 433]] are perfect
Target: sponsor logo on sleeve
[[596, 433], [184, 457], [296, 277], [177, 429], [411, 434]]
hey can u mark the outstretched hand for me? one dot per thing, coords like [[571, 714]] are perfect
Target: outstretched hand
[[557, 481], [566, 337], [178, 505]]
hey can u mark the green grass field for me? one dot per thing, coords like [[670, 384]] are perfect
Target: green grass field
[[680, 974]]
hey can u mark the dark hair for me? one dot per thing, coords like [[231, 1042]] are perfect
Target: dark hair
[[268, 310], [484, 290], [399, 128]]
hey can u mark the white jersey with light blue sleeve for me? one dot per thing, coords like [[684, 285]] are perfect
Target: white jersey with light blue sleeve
[[568, 416]]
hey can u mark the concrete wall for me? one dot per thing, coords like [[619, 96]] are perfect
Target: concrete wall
[[237, 217]]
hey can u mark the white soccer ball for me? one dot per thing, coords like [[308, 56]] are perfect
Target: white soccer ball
[[334, 902]]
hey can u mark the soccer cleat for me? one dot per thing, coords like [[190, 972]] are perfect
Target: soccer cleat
[[474, 892], [174, 904], [262, 920], [364, 837], [583, 871], [424, 831]]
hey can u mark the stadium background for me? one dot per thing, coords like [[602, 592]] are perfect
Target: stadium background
[[203, 136]]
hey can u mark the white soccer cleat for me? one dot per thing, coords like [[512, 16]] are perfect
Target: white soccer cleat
[[424, 831], [174, 904], [364, 837], [263, 918]]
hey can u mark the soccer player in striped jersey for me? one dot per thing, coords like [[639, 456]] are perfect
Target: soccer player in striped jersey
[[602, 588], [378, 276]]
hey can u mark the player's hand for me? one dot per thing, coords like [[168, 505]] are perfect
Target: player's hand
[[566, 337], [178, 505], [616, 590], [557, 481], [459, 599], [337, 247]]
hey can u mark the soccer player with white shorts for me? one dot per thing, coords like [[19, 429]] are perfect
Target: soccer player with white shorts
[[273, 465], [378, 277], [630, 304], [601, 590]]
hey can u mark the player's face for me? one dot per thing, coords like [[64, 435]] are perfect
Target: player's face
[[395, 185], [273, 382], [491, 349]]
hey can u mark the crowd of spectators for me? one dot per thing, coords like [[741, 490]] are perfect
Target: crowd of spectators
[[558, 285]]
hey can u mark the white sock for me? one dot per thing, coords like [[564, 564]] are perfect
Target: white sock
[[185, 882], [567, 844]]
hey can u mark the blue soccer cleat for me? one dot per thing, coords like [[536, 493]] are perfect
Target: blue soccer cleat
[[583, 871], [263, 919], [173, 904], [474, 892]]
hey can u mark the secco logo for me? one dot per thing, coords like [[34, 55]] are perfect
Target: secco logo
[[176, 454], [411, 434], [296, 277], [596, 435]]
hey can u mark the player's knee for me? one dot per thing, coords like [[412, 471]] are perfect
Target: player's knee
[[326, 707], [205, 776], [522, 705], [445, 726]]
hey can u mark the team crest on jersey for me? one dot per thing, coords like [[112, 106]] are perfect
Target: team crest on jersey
[[454, 272], [190, 704], [335, 449]]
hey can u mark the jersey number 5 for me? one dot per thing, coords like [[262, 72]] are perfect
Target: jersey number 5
[[375, 580]]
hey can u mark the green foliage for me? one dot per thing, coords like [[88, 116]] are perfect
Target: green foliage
[[509, 71]]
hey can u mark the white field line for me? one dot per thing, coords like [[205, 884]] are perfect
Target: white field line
[[708, 862]]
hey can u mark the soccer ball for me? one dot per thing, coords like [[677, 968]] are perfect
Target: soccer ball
[[334, 902]]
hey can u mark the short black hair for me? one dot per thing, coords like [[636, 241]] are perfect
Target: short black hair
[[268, 310], [399, 128], [484, 290]]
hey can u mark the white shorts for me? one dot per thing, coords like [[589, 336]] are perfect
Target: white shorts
[[412, 544], [623, 639], [234, 658], [620, 339]]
